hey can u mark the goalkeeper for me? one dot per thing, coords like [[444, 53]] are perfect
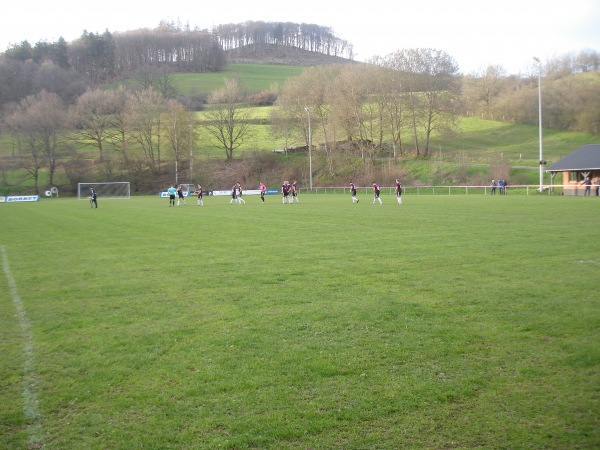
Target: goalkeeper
[[93, 197]]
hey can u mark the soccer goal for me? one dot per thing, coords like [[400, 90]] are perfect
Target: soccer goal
[[118, 190], [188, 187]]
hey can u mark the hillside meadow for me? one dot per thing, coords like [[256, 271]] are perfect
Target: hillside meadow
[[479, 139], [451, 321], [255, 77]]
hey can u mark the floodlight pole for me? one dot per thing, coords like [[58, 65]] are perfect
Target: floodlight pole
[[191, 157], [539, 67], [176, 149], [309, 150]]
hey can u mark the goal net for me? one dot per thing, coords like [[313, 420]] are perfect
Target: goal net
[[110, 190], [188, 187]]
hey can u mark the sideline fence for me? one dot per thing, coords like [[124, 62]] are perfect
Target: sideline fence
[[517, 189]]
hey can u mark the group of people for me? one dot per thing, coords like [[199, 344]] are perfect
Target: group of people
[[176, 192], [588, 186], [501, 185], [289, 192], [376, 192], [237, 194]]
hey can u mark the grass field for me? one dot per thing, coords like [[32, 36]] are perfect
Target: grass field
[[256, 78], [447, 322]]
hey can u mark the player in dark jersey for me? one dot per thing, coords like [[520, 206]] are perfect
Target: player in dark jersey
[[285, 191], [234, 194], [398, 192], [353, 192], [240, 199], [180, 196], [376, 191], [199, 195], [294, 193]]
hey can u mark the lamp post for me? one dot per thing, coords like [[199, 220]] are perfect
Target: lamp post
[[309, 150], [539, 67]]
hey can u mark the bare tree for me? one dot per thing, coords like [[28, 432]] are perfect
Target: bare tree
[[146, 110], [283, 125], [394, 101], [41, 121], [347, 97], [228, 119], [157, 79], [291, 117], [433, 87], [92, 118], [180, 123], [317, 80], [481, 89], [52, 78], [121, 122], [32, 157]]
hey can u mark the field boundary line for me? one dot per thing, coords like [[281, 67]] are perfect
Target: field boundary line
[[30, 401]]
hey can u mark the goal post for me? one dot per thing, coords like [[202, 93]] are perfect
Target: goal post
[[117, 190]]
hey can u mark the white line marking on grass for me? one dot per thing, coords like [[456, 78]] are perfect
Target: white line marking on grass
[[30, 401]]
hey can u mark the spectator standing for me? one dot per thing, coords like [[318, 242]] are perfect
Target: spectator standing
[[493, 187], [588, 186]]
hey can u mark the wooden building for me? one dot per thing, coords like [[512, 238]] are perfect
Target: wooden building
[[575, 168]]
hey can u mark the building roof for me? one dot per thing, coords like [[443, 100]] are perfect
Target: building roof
[[584, 158]]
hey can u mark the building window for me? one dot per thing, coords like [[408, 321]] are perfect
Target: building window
[[575, 177]]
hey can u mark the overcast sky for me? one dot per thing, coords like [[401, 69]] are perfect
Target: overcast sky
[[476, 33]]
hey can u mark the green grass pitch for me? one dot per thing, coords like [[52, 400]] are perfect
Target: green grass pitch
[[448, 322]]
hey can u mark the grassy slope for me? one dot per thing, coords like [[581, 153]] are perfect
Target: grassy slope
[[449, 322], [480, 141], [513, 141], [256, 78]]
